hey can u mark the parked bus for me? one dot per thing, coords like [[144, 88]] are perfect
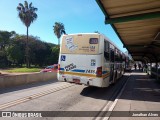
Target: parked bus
[[90, 59]]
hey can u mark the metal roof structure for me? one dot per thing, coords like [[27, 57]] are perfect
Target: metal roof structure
[[137, 24]]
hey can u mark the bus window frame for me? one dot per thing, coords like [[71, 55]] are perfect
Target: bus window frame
[[106, 50], [112, 51]]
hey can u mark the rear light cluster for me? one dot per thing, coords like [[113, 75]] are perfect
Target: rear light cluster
[[99, 72]]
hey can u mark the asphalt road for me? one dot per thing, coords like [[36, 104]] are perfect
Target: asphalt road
[[58, 96]]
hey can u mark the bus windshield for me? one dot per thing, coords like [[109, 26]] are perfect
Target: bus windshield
[[80, 44]]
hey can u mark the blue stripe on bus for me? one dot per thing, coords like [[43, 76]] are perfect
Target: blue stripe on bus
[[77, 70], [81, 71], [61, 68], [104, 72]]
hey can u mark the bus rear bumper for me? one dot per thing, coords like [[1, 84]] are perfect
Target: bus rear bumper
[[95, 81]]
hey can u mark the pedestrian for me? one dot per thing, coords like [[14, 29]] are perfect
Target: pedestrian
[[145, 68], [139, 66], [135, 66]]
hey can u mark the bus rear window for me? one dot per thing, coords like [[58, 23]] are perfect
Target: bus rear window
[[93, 41], [80, 44]]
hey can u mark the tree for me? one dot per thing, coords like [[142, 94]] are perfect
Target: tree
[[16, 51], [15, 54], [38, 51], [59, 29], [5, 38], [27, 14], [55, 52], [5, 42]]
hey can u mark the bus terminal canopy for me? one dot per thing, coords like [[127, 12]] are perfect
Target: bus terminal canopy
[[137, 24]]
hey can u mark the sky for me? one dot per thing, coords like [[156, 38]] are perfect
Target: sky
[[78, 16]]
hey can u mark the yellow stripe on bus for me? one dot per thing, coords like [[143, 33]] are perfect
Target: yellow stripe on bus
[[105, 75], [84, 74]]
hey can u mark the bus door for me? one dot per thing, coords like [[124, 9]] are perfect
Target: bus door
[[111, 65]]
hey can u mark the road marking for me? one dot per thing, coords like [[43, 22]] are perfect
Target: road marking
[[34, 96], [110, 105], [115, 102]]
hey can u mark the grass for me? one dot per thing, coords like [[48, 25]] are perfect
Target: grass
[[22, 70]]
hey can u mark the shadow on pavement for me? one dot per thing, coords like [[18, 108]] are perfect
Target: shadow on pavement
[[103, 93], [141, 88]]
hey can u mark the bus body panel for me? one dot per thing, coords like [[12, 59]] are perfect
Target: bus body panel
[[80, 67]]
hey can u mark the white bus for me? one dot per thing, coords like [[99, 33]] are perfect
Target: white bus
[[90, 59]]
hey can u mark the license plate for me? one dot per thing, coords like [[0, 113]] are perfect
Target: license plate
[[76, 80]]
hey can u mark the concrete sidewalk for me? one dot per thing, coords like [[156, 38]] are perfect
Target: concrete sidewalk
[[140, 94]]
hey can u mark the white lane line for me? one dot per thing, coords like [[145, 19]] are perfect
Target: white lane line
[[115, 102], [110, 105]]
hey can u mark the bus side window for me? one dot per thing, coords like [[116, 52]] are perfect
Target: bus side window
[[116, 55], [112, 55], [106, 50], [121, 59]]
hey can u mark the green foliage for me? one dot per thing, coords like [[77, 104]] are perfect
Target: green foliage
[[3, 59], [13, 52], [55, 54], [5, 38], [38, 51], [5, 41]]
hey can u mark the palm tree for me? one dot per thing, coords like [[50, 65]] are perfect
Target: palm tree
[[59, 29], [27, 14]]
